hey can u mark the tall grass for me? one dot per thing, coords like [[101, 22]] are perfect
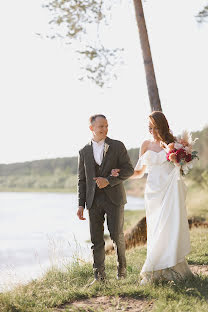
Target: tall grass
[[58, 287]]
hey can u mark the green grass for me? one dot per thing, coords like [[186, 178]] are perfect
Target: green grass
[[132, 217], [199, 246], [197, 201], [58, 287]]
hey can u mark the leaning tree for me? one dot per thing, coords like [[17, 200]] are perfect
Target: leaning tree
[[82, 21], [147, 57]]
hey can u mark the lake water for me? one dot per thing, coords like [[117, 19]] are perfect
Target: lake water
[[38, 230]]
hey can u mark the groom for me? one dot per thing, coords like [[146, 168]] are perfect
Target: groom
[[102, 193]]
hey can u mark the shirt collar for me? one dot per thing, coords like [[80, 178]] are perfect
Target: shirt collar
[[98, 143]]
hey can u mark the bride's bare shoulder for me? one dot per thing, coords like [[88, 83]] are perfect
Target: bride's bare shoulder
[[144, 147]]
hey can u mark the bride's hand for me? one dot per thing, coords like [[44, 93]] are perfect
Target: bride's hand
[[115, 172]]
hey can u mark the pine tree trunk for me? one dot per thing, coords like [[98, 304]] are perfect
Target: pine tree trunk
[[147, 57]]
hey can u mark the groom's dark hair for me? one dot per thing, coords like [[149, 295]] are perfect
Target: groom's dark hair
[[93, 117]]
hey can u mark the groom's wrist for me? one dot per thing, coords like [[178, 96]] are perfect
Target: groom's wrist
[[81, 204], [110, 179]]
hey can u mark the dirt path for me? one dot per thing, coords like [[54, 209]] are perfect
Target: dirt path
[[114, 304], [199, 269], [108, 304]]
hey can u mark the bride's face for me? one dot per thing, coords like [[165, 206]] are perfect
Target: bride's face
[[153, 131]]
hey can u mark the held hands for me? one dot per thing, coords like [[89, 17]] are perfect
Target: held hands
[[101, 182], [115, 172], [80, 213]]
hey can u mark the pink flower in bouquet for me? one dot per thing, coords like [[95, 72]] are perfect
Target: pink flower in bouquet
[[168, 155], [180, 154], [172, 157], [188, 158], [183, 142]]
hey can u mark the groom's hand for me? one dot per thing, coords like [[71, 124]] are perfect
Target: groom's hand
[[80, 213], [101, 182]]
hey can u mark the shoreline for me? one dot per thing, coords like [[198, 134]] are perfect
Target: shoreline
[[131, 192]]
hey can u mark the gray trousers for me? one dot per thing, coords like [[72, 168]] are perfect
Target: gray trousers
[[115, 219]]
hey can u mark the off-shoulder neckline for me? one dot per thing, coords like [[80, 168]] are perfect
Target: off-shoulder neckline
[[153, 152]]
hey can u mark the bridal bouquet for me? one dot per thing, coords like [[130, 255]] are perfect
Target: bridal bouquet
[[181, 153]]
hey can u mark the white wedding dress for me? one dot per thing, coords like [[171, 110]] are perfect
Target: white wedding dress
[[168, 239]]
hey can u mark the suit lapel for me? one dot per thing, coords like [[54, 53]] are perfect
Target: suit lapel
[[90, 157], [105, 152]]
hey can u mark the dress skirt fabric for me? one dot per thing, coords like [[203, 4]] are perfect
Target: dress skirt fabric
[[168, 240]]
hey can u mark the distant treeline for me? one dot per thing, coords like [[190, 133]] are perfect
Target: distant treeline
[[61, 173], [58, 174], [47, 174], [45, 167], [40, 167]]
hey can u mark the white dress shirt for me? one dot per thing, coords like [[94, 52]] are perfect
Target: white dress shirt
[[98, 149]]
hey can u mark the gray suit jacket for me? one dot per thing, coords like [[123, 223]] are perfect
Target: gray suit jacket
[[115, 156]]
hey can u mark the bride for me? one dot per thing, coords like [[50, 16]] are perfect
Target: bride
[[168, 239]]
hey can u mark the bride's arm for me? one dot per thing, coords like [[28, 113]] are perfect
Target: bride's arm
[[139, 173]]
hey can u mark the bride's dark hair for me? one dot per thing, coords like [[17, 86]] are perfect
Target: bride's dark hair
[[159, 120]]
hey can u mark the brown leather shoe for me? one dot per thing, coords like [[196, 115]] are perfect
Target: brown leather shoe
[[121, 274], [100, 276]]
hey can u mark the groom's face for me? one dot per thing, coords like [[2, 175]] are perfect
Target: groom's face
[[99, 128]]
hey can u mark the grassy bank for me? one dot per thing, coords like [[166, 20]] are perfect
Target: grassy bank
[[59, 181], [132, 217], [197, 200], [57, 287], [134, 187], [38, 190]]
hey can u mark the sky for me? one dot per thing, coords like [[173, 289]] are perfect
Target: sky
[[45, 108]]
